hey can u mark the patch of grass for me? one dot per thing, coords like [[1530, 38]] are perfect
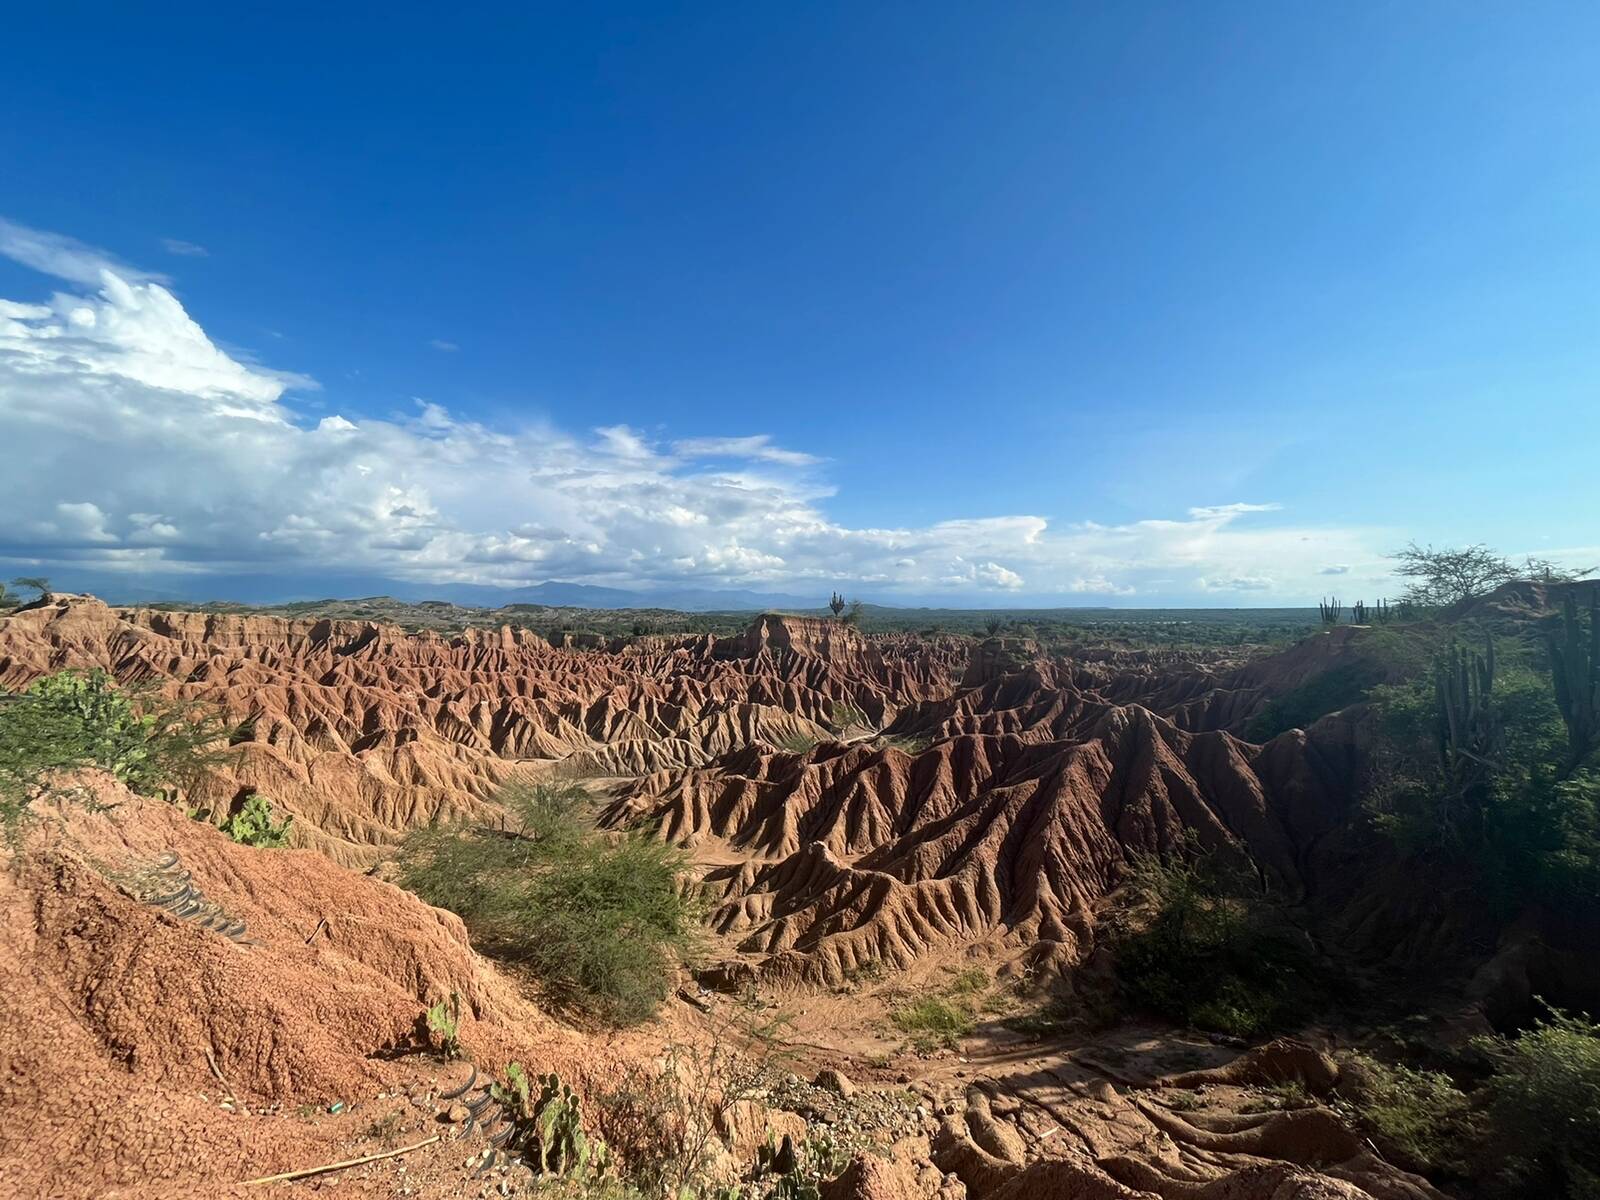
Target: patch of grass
[[600, 920], [1202, 945], [934, 1022], [797, 743], [842, 715], [969, 982], [385, 1130], [1183, 1099], [941, 1019], [1279, 1097], [1052, 1019]]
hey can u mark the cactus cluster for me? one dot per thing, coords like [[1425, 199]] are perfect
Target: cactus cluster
[[1467, 732], [546, 1130], [564, 1149], [1360, 614], [1575, 671]]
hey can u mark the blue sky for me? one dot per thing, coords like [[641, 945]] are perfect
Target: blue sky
[[1136, 304]]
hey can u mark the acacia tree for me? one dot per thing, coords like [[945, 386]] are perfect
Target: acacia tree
[[37, 582], [1449, 576]]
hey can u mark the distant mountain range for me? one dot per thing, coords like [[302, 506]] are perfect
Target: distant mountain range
[[272, 589]]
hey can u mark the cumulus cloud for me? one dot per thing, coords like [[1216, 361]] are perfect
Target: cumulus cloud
[[137, 444]]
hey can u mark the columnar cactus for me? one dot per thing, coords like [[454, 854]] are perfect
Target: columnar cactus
[[1575, 671]]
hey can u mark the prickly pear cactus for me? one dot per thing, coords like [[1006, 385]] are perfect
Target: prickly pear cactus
[[558, 1118]]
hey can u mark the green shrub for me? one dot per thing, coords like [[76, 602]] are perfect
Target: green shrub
[[1543, 1108], [600, 920], [1420, 1115], [1201, 944], [253, 825], [74, 720]]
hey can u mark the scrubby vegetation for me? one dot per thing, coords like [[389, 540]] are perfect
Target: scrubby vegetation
[[1526, 1129], [601, 920], [1421, 1117], [1474, 765], [1543, 1108], [76, 720], [1324, 693], [664, 1120], [940, 1019], [1200, 942]]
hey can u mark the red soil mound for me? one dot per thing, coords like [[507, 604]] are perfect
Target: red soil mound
[[109, 1005]]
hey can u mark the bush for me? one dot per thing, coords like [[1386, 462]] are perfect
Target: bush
[[1201, 944], [1418, 1115], [665, 1118], [1543, 1107], [600, 920], [73, 720]]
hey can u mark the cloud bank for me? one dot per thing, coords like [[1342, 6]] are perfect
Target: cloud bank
[[135, 444]]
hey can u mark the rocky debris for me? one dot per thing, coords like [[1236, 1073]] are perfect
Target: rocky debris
[[835, 1081], [867, 1116]]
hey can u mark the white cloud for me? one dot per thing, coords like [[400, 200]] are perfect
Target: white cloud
[[61, 256], [183, 249], [1335, 569], [137, 444], [1238, 583], [758, 448], [441, 344]]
